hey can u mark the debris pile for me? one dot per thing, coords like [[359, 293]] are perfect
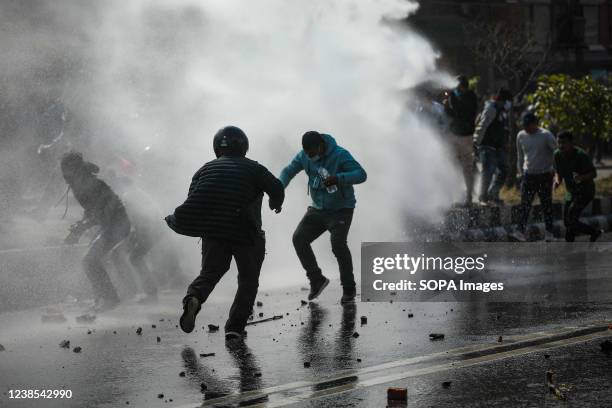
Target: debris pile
[[552, 385]]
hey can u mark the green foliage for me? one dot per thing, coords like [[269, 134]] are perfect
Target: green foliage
[[474, 83], [582, 106]]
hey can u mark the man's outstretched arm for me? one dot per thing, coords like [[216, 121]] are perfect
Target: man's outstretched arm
[[291, 170]]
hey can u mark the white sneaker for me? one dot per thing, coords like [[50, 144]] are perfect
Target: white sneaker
[[518, 236]]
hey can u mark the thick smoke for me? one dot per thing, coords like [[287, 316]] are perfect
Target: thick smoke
[[147, 83]]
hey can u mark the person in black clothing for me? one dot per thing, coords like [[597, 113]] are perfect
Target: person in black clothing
[[462, 107], [223, 207], [104, 208], [491, 141], [574, 167]]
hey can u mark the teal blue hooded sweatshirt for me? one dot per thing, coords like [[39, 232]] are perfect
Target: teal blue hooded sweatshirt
[[338, 162]]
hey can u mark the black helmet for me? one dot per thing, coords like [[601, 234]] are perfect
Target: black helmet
[[232, 140]]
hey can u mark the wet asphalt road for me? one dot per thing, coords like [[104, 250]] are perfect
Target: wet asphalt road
[[117, 366]]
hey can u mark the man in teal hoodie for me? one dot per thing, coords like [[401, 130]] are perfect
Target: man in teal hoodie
[[331, 171]]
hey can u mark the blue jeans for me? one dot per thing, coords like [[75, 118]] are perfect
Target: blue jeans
[[494, 171]]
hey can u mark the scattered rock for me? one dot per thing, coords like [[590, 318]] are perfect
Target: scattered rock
[[86, 318], [65, 344], [257, 374], [213, 328], [2, 347], [364, 320], [303, 289], [436, 336], [355, 335], [306, 364], [259, 304], [552, 385], [160, 396], [207, 354], [547, 356], [261, 314], [88, 331], [158, 339], [153, 326], [114, 331], [606, 346], [500, 339], [161, 320], [303, 302], [397, 394], [77, 349], [203, 387], [447, 384], [410, 315], [139, 331], [182, 374], [359, 360]]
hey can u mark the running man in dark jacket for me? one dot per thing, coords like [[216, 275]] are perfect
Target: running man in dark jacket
[[574, 167], [224, 208], [104, 208]]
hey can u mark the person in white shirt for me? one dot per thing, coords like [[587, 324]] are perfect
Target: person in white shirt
[[535, 149]]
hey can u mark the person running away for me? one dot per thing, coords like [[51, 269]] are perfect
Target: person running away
[[223, 207]]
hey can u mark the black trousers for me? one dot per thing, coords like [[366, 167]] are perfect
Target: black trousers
[[571, 217], [540, 184], [216, 258], [315, 223], [93, 262]]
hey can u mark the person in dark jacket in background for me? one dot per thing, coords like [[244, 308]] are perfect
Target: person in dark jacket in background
[[574, 167], [491, 142], [104, 208], [223, 207], [462, 107], [332, 171]]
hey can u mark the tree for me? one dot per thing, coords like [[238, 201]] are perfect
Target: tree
[[509, 51], [582, 106]]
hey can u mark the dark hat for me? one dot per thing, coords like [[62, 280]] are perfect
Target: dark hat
[[529, 118], [504, 94]]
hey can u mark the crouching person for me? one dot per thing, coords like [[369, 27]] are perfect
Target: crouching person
[[575, 168], [103, 208], [223, 207]]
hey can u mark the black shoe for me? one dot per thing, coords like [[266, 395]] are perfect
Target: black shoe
[[317, 287], [348, 296], [595, 236], [191, 307], [234, 335]]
